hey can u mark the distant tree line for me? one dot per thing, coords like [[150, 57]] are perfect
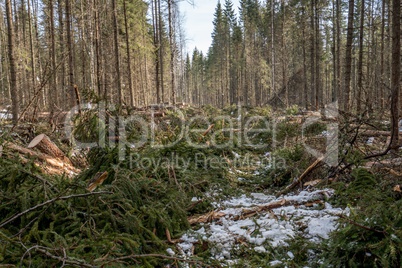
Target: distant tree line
[[132, 53], [126, 52], [304, 52]]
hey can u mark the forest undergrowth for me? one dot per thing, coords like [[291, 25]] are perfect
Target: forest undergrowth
[[166, 165]]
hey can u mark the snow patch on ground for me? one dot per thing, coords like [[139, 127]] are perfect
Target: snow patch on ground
[[267, 229], [4, 114]]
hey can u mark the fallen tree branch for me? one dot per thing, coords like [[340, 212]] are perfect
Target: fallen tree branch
[[208, 130], [301, 178], [362, 226], [7, 221], [161, 256], [376, 133], [247, 213], [65, 260]]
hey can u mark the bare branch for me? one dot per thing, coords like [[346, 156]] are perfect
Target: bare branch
[[49, 202]]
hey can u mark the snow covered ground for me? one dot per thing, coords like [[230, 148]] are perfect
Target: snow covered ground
[[4, 114], [306, 214]]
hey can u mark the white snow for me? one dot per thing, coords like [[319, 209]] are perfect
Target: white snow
[[260, 249], [290, 254], [370, 141], [170, 252], [236, 155], [266, 229], [4, 114], [274, 263], [195, 199]]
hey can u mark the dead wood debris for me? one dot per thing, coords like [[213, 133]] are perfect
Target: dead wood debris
[[247, 213], [48, 157]]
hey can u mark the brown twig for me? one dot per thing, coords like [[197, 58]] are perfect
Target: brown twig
[[161, 256], [301, 178], [208, 130], [361, 226], [64, 259], [78, 98]]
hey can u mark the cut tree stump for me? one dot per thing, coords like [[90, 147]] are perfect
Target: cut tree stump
[[46, 146], [54, 163]]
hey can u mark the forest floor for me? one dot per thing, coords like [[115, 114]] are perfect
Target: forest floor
[[199, 187], [303, 218]]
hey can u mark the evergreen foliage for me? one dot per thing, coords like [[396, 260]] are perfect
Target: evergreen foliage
[[371, 236], [146, 200]]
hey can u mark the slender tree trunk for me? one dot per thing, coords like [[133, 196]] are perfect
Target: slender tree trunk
[[13, 68], [172, 50], [333, 48], [382, 100], [157, 48], [338, 50], [128, 48], [273, 47], [161, 51], [53, 85], [312, 57], [84, 48], [98, 50], [360, 61], [348, 57], [305, 88], [284, 60], [117, 53], [31, 48], [318, 91], [61, 50], [25, 73], [70, 54], [395, 72]]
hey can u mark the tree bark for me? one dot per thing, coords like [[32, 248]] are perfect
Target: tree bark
[[360, 61], [13, 68], [70, 54], [53, 81], [117, 54], [395, 72], [161, 61], [61, 49], [312, 57], [348, 57], [43, 143], [318, 91], [157, 45], [172, 50], [338, 50], [128, 48], [55, 163], [382, 100]]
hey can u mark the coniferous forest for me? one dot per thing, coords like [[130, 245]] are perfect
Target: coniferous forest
[[132, 53], [278, 147]]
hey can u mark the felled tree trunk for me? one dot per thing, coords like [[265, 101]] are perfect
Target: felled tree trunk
[[46, 146], [55, 165]]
